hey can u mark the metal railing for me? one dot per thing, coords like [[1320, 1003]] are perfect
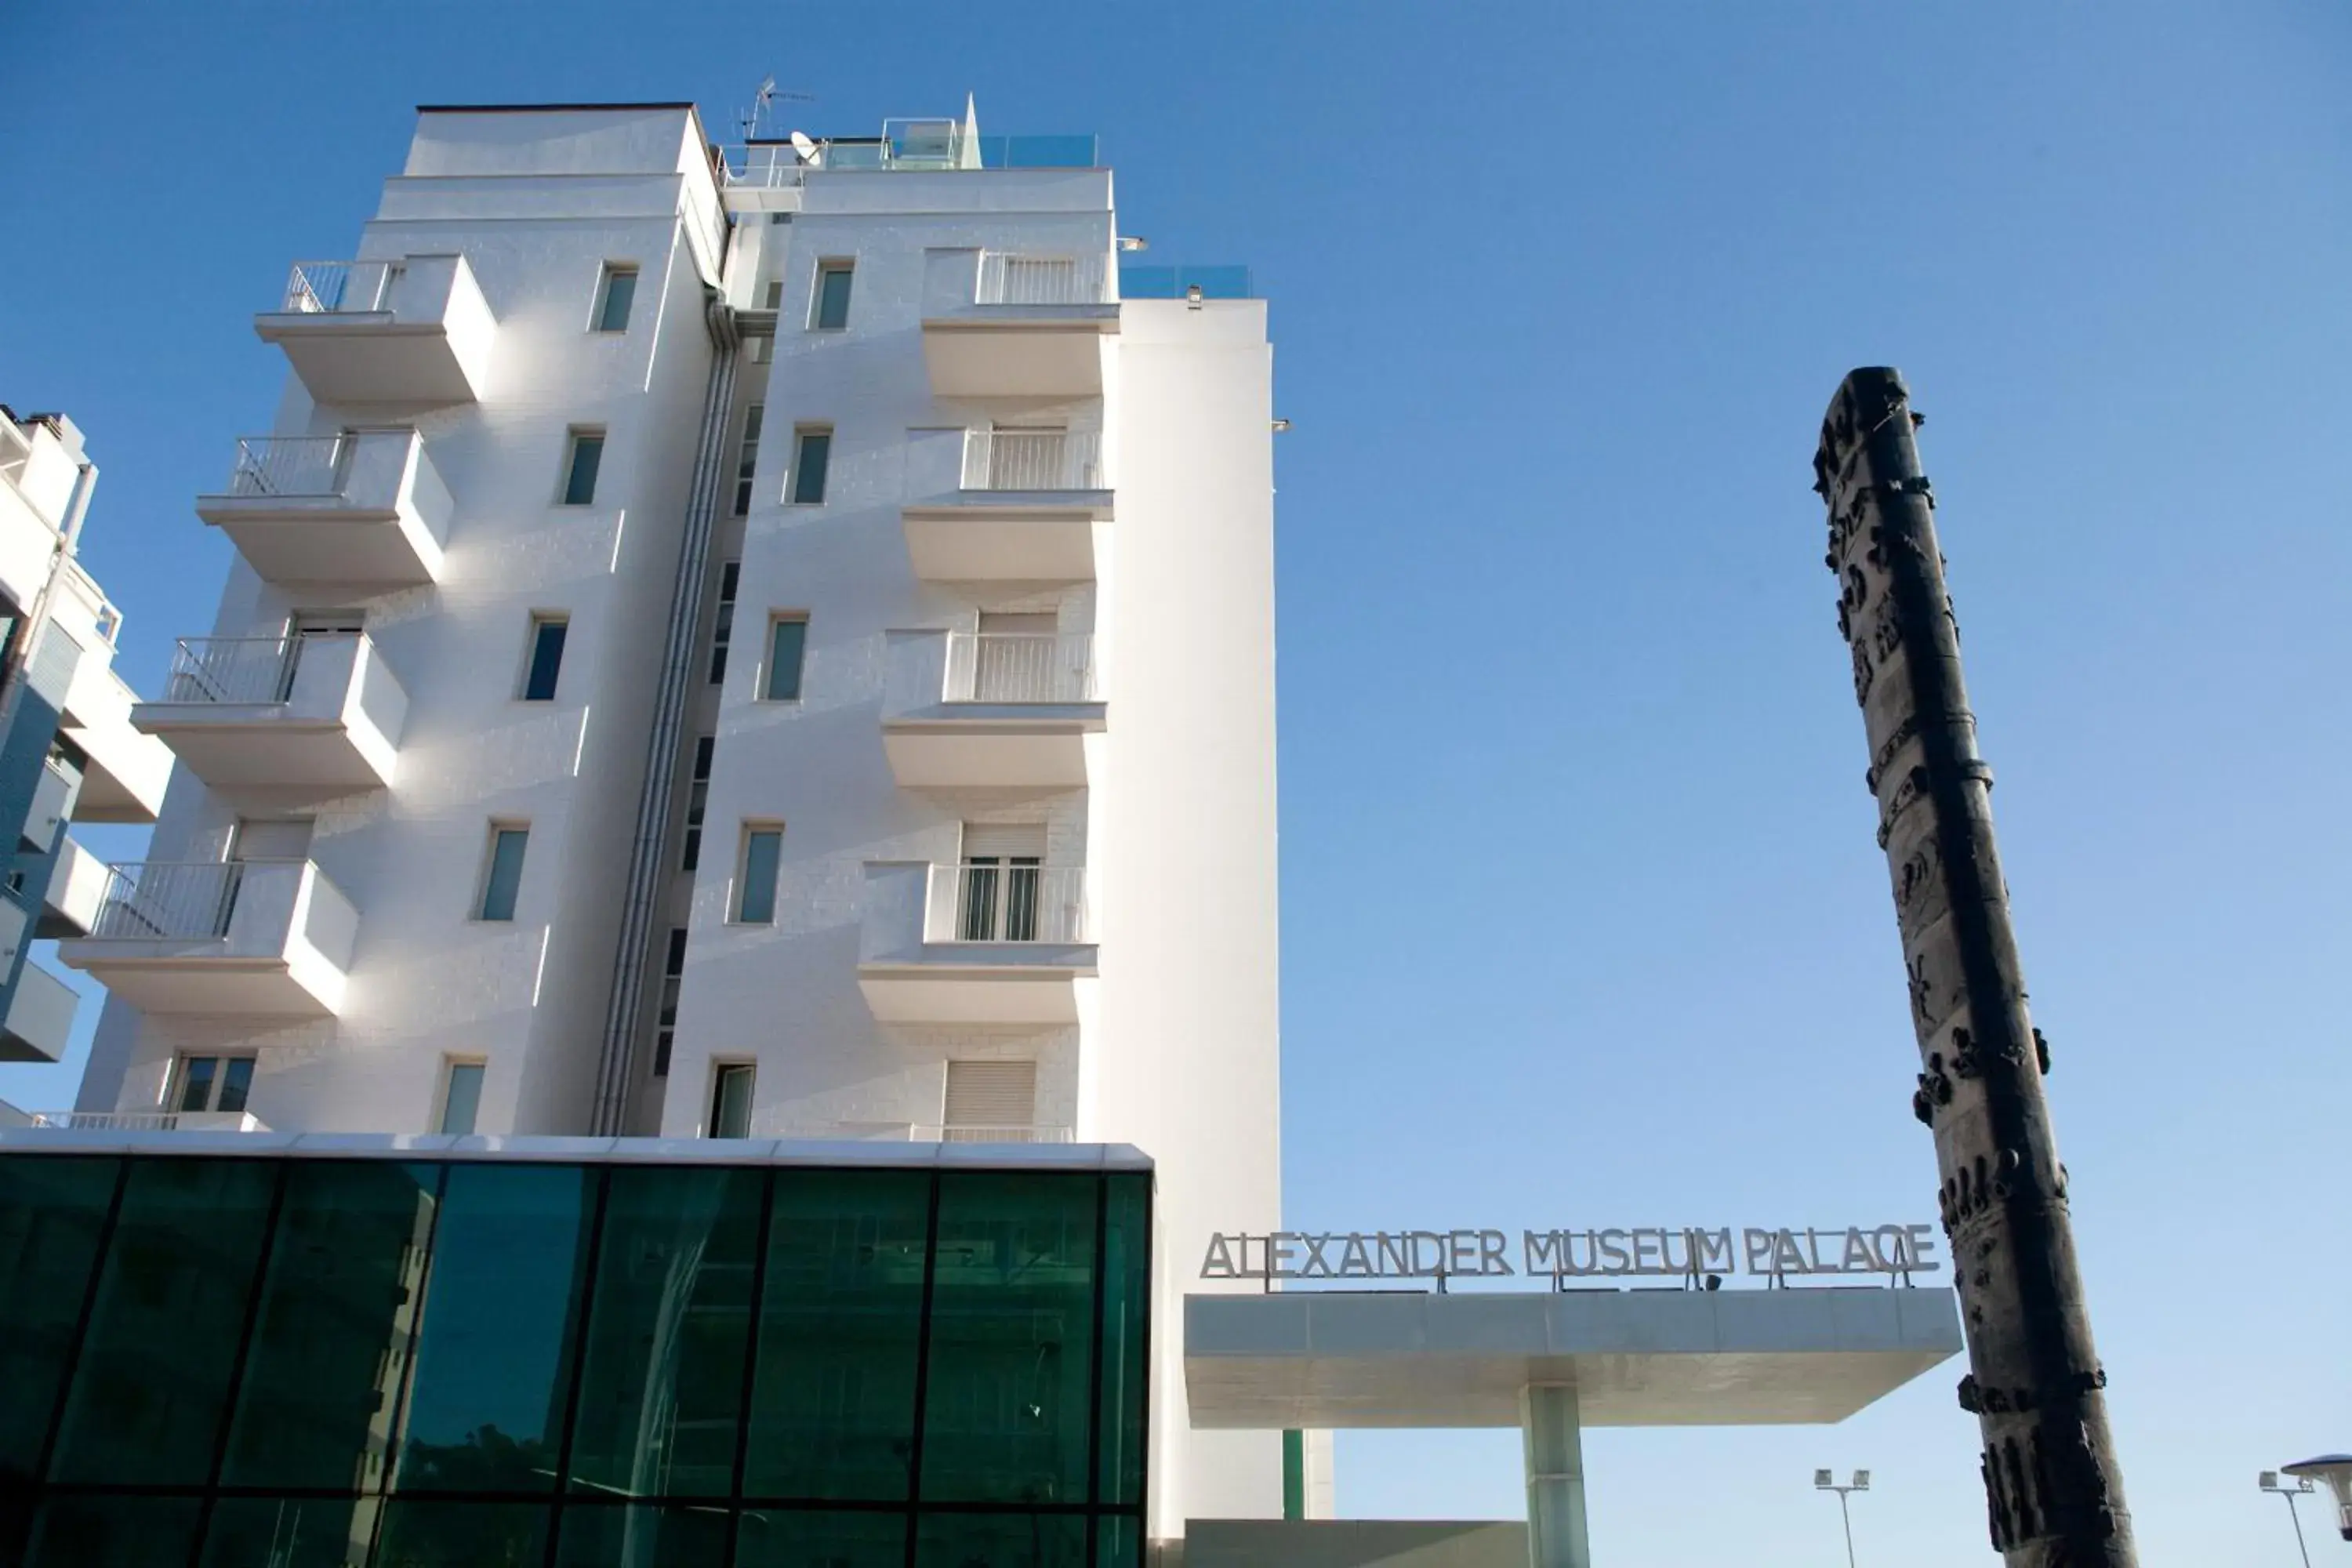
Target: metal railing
[[1020, 666], [1009, 279], [151, 1120], [985, 901], [1033, 460], [328, 288], [234, 670], [290, 466], [1026, 1132], [904, 146], [168, 900]]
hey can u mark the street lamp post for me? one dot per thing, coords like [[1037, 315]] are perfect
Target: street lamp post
[[1823, 1481], [2269, 1481]]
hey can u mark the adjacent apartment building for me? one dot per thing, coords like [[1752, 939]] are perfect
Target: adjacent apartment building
[[769, 642]]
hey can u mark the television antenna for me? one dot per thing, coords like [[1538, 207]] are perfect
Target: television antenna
[[762, 100]]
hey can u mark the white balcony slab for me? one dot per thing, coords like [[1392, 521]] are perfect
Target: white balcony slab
[[281, 721], [41, 1016], [412, 331], [126, 771], [257, 939], [913, 969], [77, 887], [1019, 351], [367, 508], [1019, 536]]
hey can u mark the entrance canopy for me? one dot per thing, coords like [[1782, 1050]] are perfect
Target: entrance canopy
[[1635, 1358]]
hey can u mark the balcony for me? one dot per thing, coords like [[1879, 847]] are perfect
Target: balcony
[[1014, 709], [1025, 510], [281, 721], [250, 938], [149, 1121], [40, 1015], [367, 509], [76, 890], [998, 325], [413, 331], [974, 944]]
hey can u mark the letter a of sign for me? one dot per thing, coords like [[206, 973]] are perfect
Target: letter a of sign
[[1219, 1263]]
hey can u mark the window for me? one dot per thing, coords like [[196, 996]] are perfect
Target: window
[[755, 883], [212, 1083], [673, 977], [580, 465], [728, 576], [697, 797], [787, 641], [547, 633], [1002, 870], [812, 451], [730, 1099], [991, 1102], [614, 293], [749, 458], [461, 1097], [502, 875], [773, 298], [830, 312]]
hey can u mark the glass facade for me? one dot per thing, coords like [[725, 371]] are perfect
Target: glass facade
[[212, 1362]]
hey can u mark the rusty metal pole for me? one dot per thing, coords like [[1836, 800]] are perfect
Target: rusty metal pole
[[2054, 1492]]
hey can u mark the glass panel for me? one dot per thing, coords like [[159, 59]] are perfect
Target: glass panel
[[52, 1212], [661, 1396], [162, 1340], [640, 1537], [546, 660], [463, 1102], [420, 1534], [780, 1538], [1010, 1362], [832, 298], [332, 1339], [809, 465], [1118, 1542], [287, 1532], [236, 1083], [832, 1406], [1127, 1334], [760, 851], [114, 1532], [580, 479], [493, 1370], [196, 1082], [1000, 1540], [730, 1101], [504, 883], [786, 643], [620, 291]]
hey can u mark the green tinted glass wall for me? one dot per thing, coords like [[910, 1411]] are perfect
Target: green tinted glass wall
[[361, 1362]]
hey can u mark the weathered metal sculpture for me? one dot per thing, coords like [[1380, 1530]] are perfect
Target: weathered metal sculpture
[[2054, 1493]]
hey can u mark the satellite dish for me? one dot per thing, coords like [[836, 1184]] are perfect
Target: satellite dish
[[808, 150]]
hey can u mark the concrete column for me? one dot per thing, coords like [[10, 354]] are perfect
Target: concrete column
[[1555, 1454]]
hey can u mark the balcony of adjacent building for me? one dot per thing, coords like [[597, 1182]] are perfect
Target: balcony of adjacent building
[[252, 938], [283, 721], [365, 508], [410, 330], [39, 1017], [1008, 324], [992, 709], [1026, 506], [995, 941]]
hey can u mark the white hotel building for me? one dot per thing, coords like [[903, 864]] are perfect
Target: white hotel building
[[768, 644]]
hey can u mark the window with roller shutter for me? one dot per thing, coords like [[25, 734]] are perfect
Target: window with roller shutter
[[991, 1102]]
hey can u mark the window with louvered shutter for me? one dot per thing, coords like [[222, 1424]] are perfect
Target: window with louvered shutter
[[991, 1102]]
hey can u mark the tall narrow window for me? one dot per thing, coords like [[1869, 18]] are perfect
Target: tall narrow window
[[730, 1099], [812, 453], [461, 1097], [580, 466], [547, 633], [787, 642], [773, 298], [615, 292], [666, 1022], [755, 882], [213, 1083], [830, 312], [747, 459], [698, 800], [502, 875], [724, 628]]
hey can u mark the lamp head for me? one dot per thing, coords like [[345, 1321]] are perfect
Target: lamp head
[[2335, 1471], [1861, 1480], [1822, 1481]]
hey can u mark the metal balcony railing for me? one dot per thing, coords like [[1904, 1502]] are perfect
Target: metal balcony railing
[[1009, 279], [984, 900], [1020, 666], [322, 288], [1028, 1132], [151, 1120], [168, 900], [1033, 460], [239, 669], [290, 466]]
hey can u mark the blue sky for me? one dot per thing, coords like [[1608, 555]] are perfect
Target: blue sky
[[1583, 921]]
